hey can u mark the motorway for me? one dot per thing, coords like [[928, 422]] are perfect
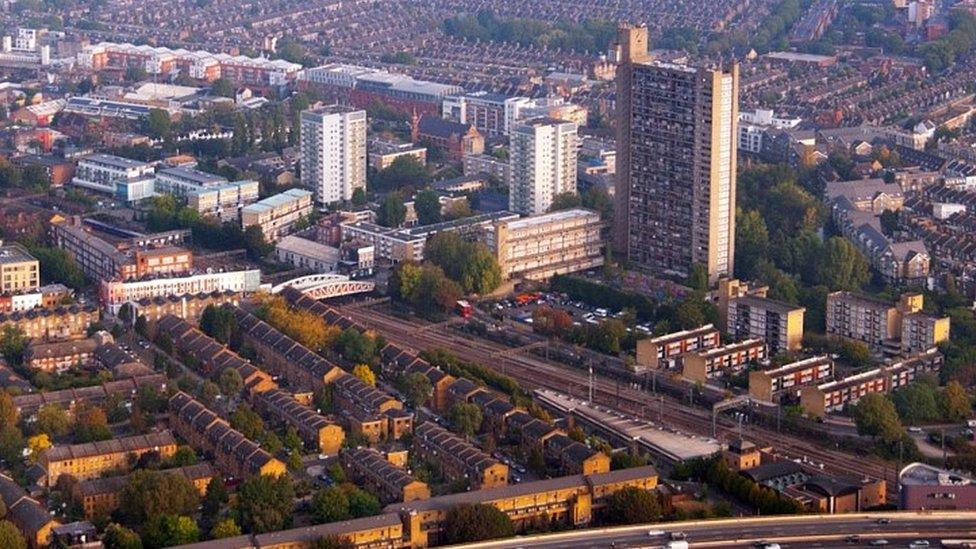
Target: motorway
[[795, 531], [536, 372]]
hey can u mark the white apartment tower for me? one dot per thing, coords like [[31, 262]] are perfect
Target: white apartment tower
[[543, 154], [333, 147]]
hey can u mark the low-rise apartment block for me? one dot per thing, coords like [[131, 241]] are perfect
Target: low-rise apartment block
[[391, 482], [779, 324], [20, 272], [459, 457], [665, 351], [722, 361], [317, 431], [278, 214], [181, 181], [382, 154], [901, 326], [542, 246], [486, 164], [59, 356], [70, 322], [123, 178], [115, 293], [819, 400], [127, 260], [99, 497], [92, 459], [303, 253], [224, 201], [234, 453], [790, 378]]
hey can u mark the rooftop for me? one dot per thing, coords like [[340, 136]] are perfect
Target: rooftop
[[924, 474], [14, 253], [114, 161], [278, 200]]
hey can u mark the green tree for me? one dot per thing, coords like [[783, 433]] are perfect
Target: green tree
[[363, 503], [427, 204], [215, 496], [90, 424], [470, 264], [148, 495], [218, 322], [222, 87], [955, 402], [751, 242], [416, 388], [159, 124], [184, 457], [392, 211], [876, 416], [230, 382], [565, 201], [403, 171], [57, 266], [698, 278], [632, 505], [11, 443], [13, 345], [465, 418], [255, 243], [226, 528], [844, 266], [119, 537], [476, 522], [917, 402], [359, 197], [10, 536], [264, 504], [330, 505], [169, 530], [53, 420], [247, 422]]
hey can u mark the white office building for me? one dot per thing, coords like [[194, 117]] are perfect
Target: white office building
[[333, 147], [123, 178], [543, 155]]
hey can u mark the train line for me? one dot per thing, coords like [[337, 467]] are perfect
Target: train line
[[536, 372]]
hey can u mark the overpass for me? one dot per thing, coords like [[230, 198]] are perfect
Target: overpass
[[323, 286]]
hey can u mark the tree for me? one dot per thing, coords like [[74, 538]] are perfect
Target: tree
[[403, 171], [184, 457], [119, 537], [751, 241], [333, 542], [359, 196], [264, 503], [10, 536], [889, 222], [392, 211], [159, 124], [169, 530], [363, 503], [90, 424], [148, 495], [875, 416], [465, 418], [565, 201], [53, 420], [551, 321], [218, 322], [476, 522], [135, 73], [632, 505], [416, 387], [844, 266], [955, 403], [247, 422], [330, 505], [356, 346], [230, 382], [226, 528], [255, 243], [427, 204], [917, 402], [698, 278], [215, 496], [222, 87], [13, 345], [470, 264], [365, 373], [37, 444]]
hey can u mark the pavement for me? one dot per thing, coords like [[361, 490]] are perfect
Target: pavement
[[788, 531]]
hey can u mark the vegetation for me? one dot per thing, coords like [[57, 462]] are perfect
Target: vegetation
[[470, 264], [392, 211], [58, 267], [632, 505], [717, 473], [465, 418], [941, 54], [592, 35], [148, 495], [415, 387], [302, 326], [476, 522], [169, 530], [425, 287], [264, 504], [427, 204], [403, 172]]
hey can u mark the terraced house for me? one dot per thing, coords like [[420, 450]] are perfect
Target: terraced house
[[92, 459], [458, 457], [317, 431], [391, 482], [234, 453], [101, 496]]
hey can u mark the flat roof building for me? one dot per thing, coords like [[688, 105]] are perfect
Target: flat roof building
[[278, 214], [20, 272]]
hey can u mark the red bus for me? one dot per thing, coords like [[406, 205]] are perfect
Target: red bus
[[463, 308]]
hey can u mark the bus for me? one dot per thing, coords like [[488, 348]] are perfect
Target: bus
[[463, 308]]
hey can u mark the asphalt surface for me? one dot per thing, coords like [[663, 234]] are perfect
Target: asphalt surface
[[796, 532]]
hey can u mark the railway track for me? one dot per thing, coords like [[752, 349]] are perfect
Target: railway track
[[535, 372]]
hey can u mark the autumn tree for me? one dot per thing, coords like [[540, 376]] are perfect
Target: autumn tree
[[365, 373], [955, 402], [10, 536], [551, 321], [90, 424], [53, 420], [226, 528]]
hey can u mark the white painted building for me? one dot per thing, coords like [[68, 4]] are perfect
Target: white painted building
[[123, 178], [333, 152], [113, 294], [303, 253], [183, 181], [753, 125], [543, 153]]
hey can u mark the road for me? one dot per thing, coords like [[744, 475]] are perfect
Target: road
[[535, 372], [797, 531]]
